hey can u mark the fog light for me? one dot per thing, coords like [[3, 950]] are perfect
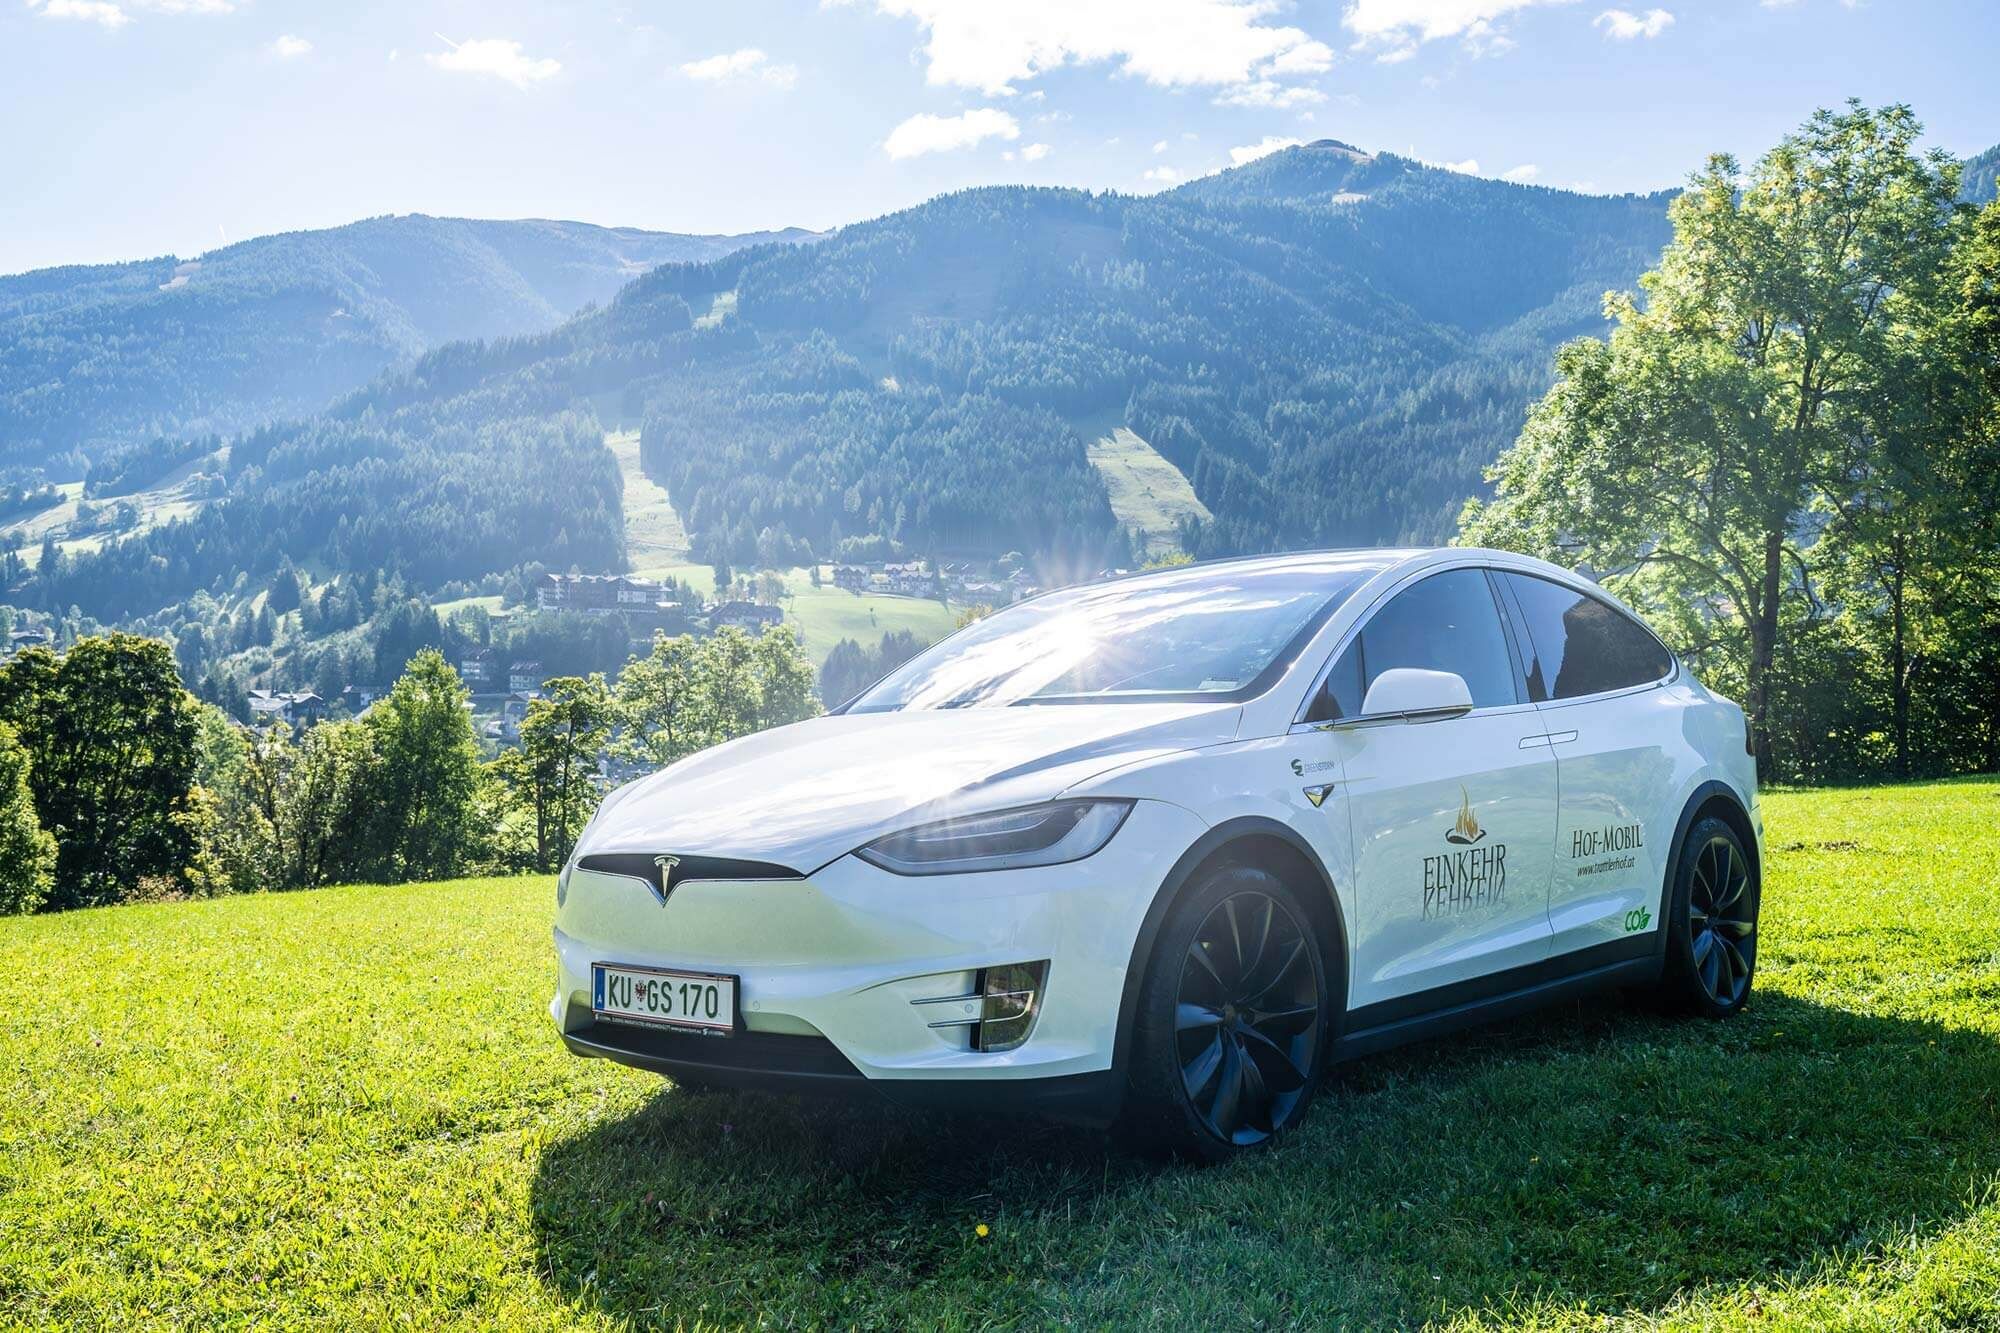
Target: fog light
[[1011, 998]]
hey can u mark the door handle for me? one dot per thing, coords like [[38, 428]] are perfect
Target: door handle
[[1561, 737], [1552, 738]]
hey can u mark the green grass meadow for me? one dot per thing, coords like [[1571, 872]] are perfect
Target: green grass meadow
[[347, 1109]]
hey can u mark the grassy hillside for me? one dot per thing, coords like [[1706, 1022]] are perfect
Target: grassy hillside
[[347, 1109]]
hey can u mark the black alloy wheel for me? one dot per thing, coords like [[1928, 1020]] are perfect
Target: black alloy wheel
[[1247, 1021], [1712, 923], [1233, 1024], [1722, 922]]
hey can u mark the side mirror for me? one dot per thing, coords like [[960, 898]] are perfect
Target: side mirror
[[1410, 694]]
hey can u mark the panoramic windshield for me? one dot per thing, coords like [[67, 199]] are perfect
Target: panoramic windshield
[[1198, 632]]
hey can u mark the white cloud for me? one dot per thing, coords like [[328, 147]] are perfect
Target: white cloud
[[1265, 93], [1623, 26], [941, 134], [1522, 174], [499, 57], [1305, 58], [1035, 152], [1164, 176], [100, 12], [1394, 29], [1160, 147], [289, 47], [1469, 167], [1171, 43], [1264, 147], [748, 63]]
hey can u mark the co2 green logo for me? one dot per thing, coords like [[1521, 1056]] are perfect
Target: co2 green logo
[[1637, 919]]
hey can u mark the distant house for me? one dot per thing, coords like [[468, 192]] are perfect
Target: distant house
[[851, 577], [298, 708], [29, 638], [525, 678], [356, 699], [744, 615], [479, 669]]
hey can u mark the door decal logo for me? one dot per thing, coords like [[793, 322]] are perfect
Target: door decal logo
[[1300, 767], [1466, 880], [1465, 831]]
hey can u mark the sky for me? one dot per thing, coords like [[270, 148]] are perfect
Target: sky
[[135, 128]]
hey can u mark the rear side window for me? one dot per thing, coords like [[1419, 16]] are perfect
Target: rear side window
[[1579, 644], [1447, 622]]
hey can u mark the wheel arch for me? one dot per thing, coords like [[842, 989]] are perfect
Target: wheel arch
[[1251, 840], [1719, 799]]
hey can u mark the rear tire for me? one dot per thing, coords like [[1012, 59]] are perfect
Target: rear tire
[[1711, 923], [1233, 1022]]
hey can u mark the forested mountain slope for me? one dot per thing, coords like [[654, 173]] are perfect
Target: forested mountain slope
[[1978, 184], [93, 356], [1330, 344]]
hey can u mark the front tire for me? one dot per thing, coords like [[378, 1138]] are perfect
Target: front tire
[[1233, 1022], [1712, 923]]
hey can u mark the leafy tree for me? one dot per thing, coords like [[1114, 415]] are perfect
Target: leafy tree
[[427, 772], [658, 702], [552, 776], [111, 739], [27, 854], [691, 693], [1697, 453]]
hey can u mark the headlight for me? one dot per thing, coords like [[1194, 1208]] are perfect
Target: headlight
[[1036, 835]]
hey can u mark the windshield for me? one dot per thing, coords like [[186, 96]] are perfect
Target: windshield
[[1218, 632]]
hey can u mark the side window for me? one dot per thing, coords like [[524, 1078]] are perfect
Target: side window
[[1341, 696], [1580, 645], [1447, 622]]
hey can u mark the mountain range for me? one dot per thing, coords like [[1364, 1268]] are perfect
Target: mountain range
[[1321, 347], [94, 356]]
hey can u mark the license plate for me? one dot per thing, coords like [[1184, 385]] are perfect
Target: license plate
[[704, 1001]]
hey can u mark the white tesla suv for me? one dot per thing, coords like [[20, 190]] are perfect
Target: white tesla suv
[[1165, 847]]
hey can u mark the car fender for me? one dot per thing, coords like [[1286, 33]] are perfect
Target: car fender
[[1218, 839]]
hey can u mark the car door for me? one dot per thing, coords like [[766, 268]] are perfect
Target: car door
[[1595, 675], [1451, 822]]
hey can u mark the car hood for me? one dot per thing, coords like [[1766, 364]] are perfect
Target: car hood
[[806, 794]]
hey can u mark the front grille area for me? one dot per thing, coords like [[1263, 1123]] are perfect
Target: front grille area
[[745, 1052], [645, 866]]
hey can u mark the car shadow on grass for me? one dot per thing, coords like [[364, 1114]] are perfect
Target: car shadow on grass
[[1593, 1159]]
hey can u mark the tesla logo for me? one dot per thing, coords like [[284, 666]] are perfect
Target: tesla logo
[[1465, 829], [666, 865]]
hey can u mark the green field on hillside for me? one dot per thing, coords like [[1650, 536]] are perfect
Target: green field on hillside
[[653, 531], [1146, 491], [347, 1109], [825, 615]]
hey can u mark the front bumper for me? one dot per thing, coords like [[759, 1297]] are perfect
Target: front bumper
[[833, 970]]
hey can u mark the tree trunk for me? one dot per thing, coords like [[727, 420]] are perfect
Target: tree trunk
[[1763, 650], [1899, 663]]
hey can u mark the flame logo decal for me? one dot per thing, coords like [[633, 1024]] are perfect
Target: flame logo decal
[[1465, 829]]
